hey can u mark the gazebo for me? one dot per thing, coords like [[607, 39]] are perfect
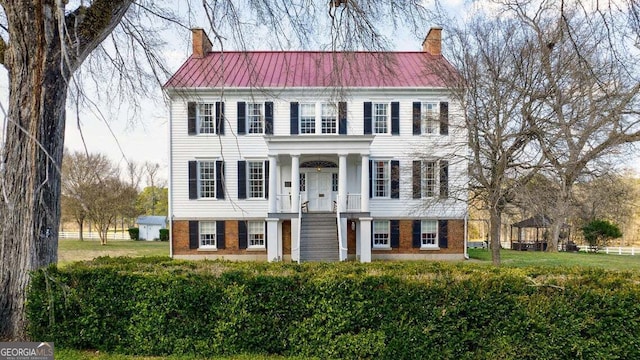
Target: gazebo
[[529, 234]]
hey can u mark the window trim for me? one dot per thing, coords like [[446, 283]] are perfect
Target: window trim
[[387, 180], [214, 185], [374, 232], [249, 116], [249, 180], [436, 239], [200, 116], [318, 118], [249, 233], [202, 233], [387, 121], [434, 120]]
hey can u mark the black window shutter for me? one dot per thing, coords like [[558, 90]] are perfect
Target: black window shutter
[[191, 118], [444, 178], [395, 118], [268, 117], [242, 234], [242, 179], [266, 179], [443, 241], [444, 118], [342, 118], [417, 179], [242, 118], [193, 179], [194, 236], [293, 121], [395, 179], [417, 118], [368, 119], [416, 233], [266, 235], [371, 184], [219, 179], [372, 234], [219, 118], [395, 233], [220, 243]]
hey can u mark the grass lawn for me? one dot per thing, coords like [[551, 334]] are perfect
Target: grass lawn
[[71, 250], [514, 258]]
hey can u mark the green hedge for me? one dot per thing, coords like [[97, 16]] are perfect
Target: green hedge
[[134, 233], [342, 311], [164, 234]]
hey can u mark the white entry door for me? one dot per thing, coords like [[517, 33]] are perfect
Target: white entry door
[[319, 191]]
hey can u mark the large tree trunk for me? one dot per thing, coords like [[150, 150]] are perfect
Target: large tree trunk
[[32, 156], [495, 225]]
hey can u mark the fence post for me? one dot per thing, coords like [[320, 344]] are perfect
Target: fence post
[[620, 250]]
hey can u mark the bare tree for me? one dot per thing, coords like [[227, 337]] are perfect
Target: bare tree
[[495, 60], [44, 44], [81, 175], [110, 200], [587, 97]]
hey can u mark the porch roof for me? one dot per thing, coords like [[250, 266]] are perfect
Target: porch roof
[[319, 144]]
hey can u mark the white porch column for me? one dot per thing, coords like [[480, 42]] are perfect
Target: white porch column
[[273, 184], [365, 239], [295, 182], [342, 182], [364, 185], [273, 241]]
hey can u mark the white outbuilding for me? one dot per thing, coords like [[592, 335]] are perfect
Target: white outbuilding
[[150, 226]]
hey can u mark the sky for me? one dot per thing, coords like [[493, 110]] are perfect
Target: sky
[[144, 138]]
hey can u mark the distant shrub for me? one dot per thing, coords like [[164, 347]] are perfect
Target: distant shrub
[[163, 307], [598, 233], [134, 233], [164, 234]]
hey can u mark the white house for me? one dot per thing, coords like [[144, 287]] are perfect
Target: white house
[[309, 155], [150, 226]]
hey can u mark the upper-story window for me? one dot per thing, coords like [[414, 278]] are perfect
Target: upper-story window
[[206, 179], [329, 118], [380, 118], [430, 118], [307, 118], [381, 178], [430, 179], [205, 118], [255, 179], [255, 118]]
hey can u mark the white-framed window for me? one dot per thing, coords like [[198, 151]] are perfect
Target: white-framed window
[[381, 178], [380, 118], [255, 118], [429, 233], [255, 234], [329, 119], [205, 116], [255, 179], [430, 118], [207, 234], [429, 179], [307, 118], [207, 179], [381, 233]]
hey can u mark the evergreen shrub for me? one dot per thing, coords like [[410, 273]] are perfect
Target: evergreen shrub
[[134, 233], [413, 310]]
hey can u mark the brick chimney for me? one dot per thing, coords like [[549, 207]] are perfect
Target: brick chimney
[[433, 42], [201, 43]]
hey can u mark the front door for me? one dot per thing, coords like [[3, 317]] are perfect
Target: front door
[[319, 191]]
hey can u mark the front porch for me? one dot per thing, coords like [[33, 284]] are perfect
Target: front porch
[[319, 174]]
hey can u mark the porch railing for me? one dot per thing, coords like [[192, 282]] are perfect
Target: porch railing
[[353, 202]]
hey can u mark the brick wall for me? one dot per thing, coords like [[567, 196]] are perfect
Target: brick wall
[[286, 237], [455, 236], [180, 233]]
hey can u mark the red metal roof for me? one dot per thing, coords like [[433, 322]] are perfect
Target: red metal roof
[[282, 69]]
